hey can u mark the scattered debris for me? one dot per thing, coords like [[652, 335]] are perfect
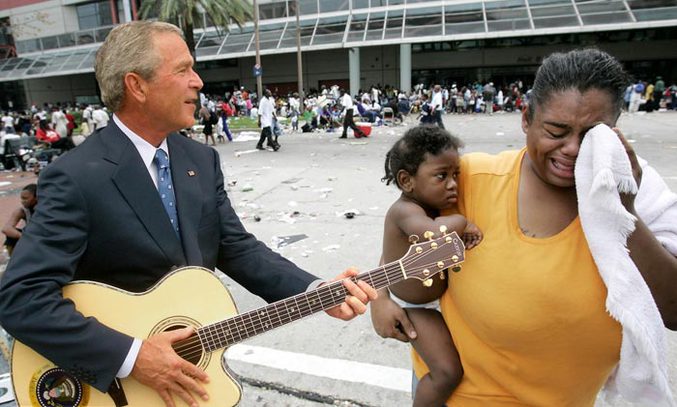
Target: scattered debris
[[257, 218], [282, 241], [350, 213], [247, 188], [331, 248]]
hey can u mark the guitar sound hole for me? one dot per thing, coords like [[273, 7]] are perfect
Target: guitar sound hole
[[189, 348]]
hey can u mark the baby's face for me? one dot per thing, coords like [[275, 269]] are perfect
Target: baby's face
[[435, 183]]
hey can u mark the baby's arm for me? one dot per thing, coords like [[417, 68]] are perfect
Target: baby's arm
[[411, 219]]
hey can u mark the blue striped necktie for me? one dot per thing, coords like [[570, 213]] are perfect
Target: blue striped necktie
[[165, 188]]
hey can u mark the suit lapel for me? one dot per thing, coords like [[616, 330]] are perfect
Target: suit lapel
[[188, 197], [138, 190]]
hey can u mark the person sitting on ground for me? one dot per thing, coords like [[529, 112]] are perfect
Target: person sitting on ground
[[20, 217]]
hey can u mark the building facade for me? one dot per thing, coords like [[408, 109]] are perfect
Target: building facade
[[353, 43]]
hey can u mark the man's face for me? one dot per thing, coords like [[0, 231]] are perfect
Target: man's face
[[28, 199], [173, 91]]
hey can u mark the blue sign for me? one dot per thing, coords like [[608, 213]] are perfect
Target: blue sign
[[258, 70]]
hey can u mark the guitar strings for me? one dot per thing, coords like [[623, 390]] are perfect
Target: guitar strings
[[193, 344], [192, 347]]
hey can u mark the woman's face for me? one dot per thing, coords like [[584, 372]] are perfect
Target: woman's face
[[557, 128]]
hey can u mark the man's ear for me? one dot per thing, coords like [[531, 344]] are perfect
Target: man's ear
[[405, 181], [135, 87]]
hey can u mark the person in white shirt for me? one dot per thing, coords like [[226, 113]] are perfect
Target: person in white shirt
[[8, 123], [99, 118], [266, 114], [437, 105], [348, 106]]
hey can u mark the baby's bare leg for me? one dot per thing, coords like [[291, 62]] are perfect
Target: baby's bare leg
[[437, 349]]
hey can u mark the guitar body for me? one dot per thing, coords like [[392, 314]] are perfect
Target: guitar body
[[189, 296]]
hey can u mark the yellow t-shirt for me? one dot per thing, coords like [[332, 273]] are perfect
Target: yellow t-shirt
[[527, 315]]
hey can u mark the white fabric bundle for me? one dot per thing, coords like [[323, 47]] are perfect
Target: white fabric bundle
[[602, 171]]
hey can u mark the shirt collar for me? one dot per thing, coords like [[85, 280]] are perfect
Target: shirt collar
[[145, 149]]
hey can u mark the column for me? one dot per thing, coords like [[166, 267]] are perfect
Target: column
[[405, 67], [354, 70]]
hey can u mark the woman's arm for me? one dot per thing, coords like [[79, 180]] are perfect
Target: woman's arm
[[656, 264]]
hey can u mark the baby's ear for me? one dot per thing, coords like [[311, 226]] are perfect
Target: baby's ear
[[405, 181]]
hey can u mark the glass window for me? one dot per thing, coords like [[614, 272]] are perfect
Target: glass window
[[210, 43], [307, 28], [665, 13], [92, 15], [397, 2], [333, 5], [549, 22], [463, 18], [587, 6], [238, 40], [644, 4], [57, 62], [23, 66], [272, 10], [606, 18], [269, 36], [394, 24], [330, 30], [308, 6], [74, 61], [549, 11], [49, 42], [506, 19], [102, 33], [66, 40], [360, 4], [26, 46], [375, 26], [40, 64], [503, 4], [358, 23], [423, 21]]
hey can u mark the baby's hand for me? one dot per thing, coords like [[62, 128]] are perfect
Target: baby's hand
[[472, 235]]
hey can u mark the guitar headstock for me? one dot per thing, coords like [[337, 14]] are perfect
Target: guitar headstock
[[427, 258]]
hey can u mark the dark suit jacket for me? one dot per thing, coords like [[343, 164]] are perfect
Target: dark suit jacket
[[99, 217]]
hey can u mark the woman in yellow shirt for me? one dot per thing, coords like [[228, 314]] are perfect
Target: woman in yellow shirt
[[528, 309]]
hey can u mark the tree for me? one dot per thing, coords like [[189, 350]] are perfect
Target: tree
[[183, 13]]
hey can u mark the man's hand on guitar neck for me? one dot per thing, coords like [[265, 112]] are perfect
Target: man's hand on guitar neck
[[160, 368], [356, 303]]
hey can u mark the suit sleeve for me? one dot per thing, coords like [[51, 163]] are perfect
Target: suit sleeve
[[32, 307], [250, 262]]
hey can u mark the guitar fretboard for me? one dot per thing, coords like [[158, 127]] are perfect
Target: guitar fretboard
[[422, 261], [236, 329]]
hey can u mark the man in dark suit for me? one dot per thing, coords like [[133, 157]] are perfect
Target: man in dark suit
[[108, 212]]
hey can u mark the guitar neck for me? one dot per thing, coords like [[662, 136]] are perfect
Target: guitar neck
[[238, 328]]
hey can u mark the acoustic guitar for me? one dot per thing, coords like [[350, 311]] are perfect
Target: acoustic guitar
[[38, 382]]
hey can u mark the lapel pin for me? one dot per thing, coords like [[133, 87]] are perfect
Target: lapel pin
[[191, 173]]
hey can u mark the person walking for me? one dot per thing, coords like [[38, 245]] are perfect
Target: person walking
[[349, 107], [266, 114]]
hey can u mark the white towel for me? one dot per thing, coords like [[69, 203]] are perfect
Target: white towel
[[602, 171]]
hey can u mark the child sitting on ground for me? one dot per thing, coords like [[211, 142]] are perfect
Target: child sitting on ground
[[20, 217], [424, 164]]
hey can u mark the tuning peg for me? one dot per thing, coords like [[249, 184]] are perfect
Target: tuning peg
[[428, 282], [456, 269], [443, 229], [442, 276], [428, 235], [413, 239]]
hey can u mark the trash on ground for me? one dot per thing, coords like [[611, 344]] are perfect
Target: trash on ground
[[282, 241], [247, 188], [350, 213], [331, 248]]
